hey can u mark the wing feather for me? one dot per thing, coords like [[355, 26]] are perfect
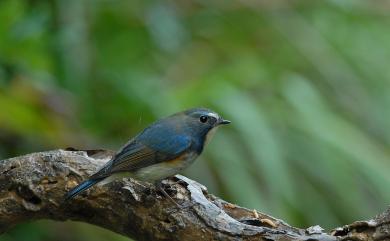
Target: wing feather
[[136, 155]]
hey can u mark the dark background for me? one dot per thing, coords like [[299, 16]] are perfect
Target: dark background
[[305, 84]]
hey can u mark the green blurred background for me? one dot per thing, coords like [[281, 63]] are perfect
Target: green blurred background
[[305, 83]]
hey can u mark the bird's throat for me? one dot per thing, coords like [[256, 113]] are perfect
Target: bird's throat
[[210, 135]]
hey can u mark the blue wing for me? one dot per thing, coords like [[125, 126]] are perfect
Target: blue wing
[[81, 188], [164, 139], [152, 146]]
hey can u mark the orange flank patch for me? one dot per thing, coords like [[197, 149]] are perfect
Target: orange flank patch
[[177, 161], [181, 160]]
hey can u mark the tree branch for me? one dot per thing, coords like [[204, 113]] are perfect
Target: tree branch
[[32, 187]]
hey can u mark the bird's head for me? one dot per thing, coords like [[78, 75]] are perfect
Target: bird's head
[[203, 122]]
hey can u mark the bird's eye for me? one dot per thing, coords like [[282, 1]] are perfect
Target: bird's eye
[[203, 118]]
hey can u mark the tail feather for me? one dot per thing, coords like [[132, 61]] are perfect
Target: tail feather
[[81, 188]]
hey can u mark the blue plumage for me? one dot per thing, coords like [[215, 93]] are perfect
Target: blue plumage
[[82, 187], [161, 150]]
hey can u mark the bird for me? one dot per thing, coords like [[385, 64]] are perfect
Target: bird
[[161, 150]]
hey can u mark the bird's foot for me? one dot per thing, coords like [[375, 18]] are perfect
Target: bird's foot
[[160, 186]]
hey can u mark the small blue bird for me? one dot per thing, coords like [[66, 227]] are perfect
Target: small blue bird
[[161, 150]]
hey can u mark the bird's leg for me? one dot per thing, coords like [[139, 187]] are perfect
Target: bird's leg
[[160, 186]]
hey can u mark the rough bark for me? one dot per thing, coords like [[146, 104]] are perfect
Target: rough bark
[[32, 187]]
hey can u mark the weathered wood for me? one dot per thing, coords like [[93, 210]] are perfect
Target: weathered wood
[[32, 187]]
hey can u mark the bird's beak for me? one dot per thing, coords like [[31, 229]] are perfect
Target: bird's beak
[[224, 122]]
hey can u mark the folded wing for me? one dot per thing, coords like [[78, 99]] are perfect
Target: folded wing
[[139, 153]]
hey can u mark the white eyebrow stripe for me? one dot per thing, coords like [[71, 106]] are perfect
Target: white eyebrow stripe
[[213, 115]]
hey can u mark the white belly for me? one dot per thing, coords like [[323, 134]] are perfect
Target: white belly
[[156, 172], [165, 169]]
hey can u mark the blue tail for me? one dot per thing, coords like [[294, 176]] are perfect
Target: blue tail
[[81, 188]]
